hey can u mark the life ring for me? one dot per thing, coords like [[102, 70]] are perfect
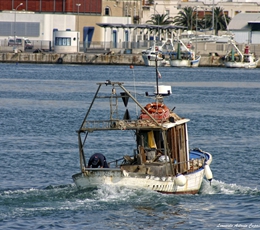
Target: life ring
[[155, 108]]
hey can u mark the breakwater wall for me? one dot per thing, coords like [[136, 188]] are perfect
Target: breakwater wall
[[85, 58]]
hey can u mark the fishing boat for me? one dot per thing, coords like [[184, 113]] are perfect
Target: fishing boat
[[184, 56], [159, 157], [159, 53], [236, 59], [151, 55]]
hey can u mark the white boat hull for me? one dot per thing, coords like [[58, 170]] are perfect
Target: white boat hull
[[180, 63], [241, 65], [185, 63], [149, 60], [94, 178], [238, 59]]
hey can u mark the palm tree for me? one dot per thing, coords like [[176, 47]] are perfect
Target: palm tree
[[160, 19], [186, 17], [220, 20]]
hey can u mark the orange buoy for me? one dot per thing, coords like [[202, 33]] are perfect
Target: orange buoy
[[131, 66]]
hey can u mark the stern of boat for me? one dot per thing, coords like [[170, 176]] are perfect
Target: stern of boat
[[94, 177], [143, 176]]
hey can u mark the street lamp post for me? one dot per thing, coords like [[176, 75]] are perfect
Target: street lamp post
[[224, 15], [191, 20], [15, 22], [157, 21], [127, 29], [129, 12], [78, 5], [196, 29], [213, 18], [204, 9]]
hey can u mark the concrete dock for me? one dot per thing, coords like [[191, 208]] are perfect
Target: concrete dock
[[85, 58]]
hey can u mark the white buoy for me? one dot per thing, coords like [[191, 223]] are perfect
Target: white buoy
[[180, 180], [208, 172]]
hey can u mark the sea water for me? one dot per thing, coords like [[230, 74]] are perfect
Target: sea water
[[42, 106]]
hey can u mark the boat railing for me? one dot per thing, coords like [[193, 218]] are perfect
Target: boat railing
[[96, 125], [116, 162], [195, 164], [116, 124], [187, 166], [105, 125]]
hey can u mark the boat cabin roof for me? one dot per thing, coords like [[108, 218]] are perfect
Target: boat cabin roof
[[139, 124]]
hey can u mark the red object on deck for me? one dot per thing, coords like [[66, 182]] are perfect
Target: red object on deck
[[156, 116], [247, 50], [157, 110]]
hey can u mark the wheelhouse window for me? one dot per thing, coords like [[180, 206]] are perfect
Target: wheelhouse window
[[62, 41]]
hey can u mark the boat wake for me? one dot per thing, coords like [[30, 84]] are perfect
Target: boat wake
[[219, 187], [35, 203]]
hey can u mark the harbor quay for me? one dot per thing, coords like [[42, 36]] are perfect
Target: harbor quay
[[86, 58], [211, 55]]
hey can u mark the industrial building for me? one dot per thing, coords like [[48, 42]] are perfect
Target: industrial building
[[40, 19]]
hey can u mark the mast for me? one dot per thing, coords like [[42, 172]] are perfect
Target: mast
[[157, 78]]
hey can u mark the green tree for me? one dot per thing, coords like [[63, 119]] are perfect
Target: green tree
[[197, 23], [160, 19], [220, 20], [186, 17]]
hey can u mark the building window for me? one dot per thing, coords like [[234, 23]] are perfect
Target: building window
[[62, 41], [107, 11]]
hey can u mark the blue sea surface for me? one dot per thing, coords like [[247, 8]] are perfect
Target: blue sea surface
[[42, 106]]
